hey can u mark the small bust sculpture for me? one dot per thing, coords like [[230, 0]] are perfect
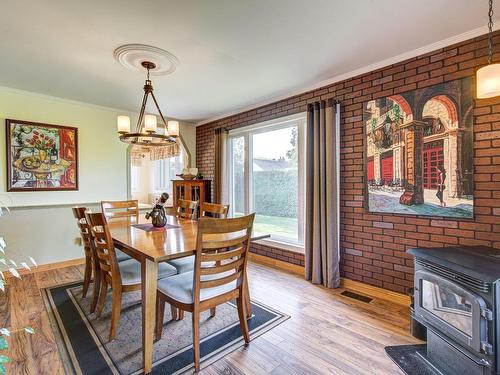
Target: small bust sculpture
[[157, 214]]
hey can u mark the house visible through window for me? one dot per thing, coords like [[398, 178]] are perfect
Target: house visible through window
[[266, 176]]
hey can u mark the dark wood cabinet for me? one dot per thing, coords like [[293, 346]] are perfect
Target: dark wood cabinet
[[193, 190]]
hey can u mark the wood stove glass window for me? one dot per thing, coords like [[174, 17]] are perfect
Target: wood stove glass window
[[453, 308]]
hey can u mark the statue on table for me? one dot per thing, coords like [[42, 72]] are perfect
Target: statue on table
[[158, 215]]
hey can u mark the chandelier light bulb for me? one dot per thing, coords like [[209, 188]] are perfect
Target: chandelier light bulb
[[123, 124], [488, 81], [150, 123], [173, 128], [488, 77]]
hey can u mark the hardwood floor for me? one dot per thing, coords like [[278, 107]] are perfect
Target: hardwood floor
[[326, 334]]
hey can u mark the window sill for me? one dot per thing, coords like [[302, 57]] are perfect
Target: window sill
[[282, 245]]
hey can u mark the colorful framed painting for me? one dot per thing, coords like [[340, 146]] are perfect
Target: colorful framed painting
[[419, 151], [41, 157]]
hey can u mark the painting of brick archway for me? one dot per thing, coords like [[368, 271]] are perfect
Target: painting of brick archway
[[419, 151]]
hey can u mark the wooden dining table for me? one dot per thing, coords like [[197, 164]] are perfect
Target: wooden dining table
[[176, 240]]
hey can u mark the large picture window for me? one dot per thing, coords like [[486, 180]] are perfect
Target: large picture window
[[266, 176]]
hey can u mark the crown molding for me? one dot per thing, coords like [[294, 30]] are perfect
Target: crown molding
[[11, 90], [356, 72], [15, 91]]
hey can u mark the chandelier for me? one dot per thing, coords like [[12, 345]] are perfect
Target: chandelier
[[488, 77], [146, 132]]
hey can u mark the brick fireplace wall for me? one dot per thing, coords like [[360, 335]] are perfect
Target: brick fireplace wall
[[373, 245]]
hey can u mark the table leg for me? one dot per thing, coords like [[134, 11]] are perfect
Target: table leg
[[246, 291], [149, 271]]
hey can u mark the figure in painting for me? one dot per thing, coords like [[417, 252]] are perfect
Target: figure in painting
[[441, 185]]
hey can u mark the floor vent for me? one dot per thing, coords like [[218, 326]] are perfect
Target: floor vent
[[357, 296]]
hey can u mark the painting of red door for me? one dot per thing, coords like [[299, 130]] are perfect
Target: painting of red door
[[371, 170], [433, 156], [387, 169]]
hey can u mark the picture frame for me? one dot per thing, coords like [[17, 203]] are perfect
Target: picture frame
[[418, 151], [41, 156]]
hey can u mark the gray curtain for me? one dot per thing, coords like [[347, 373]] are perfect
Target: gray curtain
[[220, 183], [322, 245]]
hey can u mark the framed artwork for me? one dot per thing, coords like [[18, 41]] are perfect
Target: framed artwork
[[41, 157], [419, 151]]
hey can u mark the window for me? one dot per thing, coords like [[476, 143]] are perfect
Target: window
[[266, 176], [165, 170], [135, 175]]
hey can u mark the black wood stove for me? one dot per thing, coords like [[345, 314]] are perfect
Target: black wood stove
[[457, 297]]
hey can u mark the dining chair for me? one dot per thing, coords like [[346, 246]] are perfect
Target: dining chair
[[215, 210], [90, 266], [211, 283], [120, 209], [186, 209], [186, 264], [114, 209], [122, 276]]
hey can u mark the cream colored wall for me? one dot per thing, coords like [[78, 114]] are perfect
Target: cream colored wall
[[48, 232], [188, 132], [102, 162]]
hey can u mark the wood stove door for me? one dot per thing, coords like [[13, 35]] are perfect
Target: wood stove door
[[452, 310]]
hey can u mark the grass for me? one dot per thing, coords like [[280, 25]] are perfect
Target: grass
[[280, 226]]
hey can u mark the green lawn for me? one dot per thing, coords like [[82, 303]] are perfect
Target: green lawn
[[282, 226]]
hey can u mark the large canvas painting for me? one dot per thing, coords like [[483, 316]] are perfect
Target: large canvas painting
[[41, 156], [419, 154]]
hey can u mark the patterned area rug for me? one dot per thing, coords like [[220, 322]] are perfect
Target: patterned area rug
[[83, 338]]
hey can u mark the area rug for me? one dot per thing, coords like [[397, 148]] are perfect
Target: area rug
[[410, 359], [83, 338]]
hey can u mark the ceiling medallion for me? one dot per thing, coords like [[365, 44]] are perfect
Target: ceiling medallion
[[145, 133], [131, 57]]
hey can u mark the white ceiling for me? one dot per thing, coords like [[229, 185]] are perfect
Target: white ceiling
[[233, 53]]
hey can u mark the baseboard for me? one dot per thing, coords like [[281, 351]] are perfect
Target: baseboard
[[276, 263], [374, 291], [48, 267]]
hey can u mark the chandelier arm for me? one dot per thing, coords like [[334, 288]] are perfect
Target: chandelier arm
[[141, 114], [159, 110]]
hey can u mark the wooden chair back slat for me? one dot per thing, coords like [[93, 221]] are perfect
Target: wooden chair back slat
[[186, 209], [222, 244], [114, 209], [230, 263], [103, 243], [221, 280], [222, 268], [218, 257], [215, 210]]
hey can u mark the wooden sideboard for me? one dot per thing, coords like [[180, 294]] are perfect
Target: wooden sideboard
[[192, 190]]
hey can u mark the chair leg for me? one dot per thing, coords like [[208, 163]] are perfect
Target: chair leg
[[196, 339], [96, 289], [181, 314], [212, 312], [242, 315], [116, 309], [173, 310], [86, 276], [160, 314], [102, 297]]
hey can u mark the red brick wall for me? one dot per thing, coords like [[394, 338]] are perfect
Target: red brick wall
[[373, 245]]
